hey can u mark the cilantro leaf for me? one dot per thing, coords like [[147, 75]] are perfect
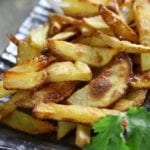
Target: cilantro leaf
[[109, 135], [138, 129]]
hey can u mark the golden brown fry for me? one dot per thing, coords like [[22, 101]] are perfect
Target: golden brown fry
[[38, 36], [8, 107], [64, 20], [35, 64], [26, 123], [64, 35], [3, 91], [132, 99], [13, 39], [50, 92], [68, 71], [78, 8], [96, 22], [120, 29], [83, 135], [141, 81], [142, 18], [123, 46], [64, 128], [23, 80], [71, 113], [24, 48], [107, 88], [93, 56]]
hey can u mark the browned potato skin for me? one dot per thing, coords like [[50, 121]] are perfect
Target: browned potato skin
[[23, 80], [122, 46], [141, 81], [120, 29], [35, 64], [50, 92], [132, 99], [105, 89], [13, 39], [71, 113]]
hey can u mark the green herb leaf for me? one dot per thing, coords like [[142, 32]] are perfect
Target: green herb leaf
[[109, 136], [138, 129], [110, 133]]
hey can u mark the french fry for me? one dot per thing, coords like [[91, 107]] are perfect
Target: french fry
[[64, 20], [123, 46], [23, 80], [38, 36], [8, 107], [96, 22], [54, 28], [93, 56], [141, 81], [35, 64], [24, 48], [64, 35], [83, 135], [132, 99], [68, 71], [107, 88], [50, 92], [142, 18], [77, 8], [71, 113], [64, 128], [26, 123], [120, 28], [13, 39], [3, 91]]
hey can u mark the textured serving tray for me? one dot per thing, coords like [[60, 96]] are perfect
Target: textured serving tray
[[14, 140]]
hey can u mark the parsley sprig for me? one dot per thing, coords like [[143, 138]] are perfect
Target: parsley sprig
[[130, 131]]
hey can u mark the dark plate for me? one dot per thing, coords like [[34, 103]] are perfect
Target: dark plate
[[14, 140]]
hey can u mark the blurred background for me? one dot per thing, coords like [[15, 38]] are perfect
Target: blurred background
[[12, 14]]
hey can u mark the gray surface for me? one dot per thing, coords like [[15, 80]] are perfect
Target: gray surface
[[12, 14]]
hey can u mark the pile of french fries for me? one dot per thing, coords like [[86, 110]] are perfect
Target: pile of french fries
[[91, 62]]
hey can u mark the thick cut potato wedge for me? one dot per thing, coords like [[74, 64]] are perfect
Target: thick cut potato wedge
[[23, 80], [123, 46], [83, 135], [68, 71], [132, 99], [107, 88], [64, 35], [26, 123], [50, 92], [64, 20], [96, 22], [8, 107], [35, 64], [71, 113], [141, 81], [3, 91], [64, 128], [24, 48], [78, 8], [142, 18], [120, 28], [93, 56], [38, 36]]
